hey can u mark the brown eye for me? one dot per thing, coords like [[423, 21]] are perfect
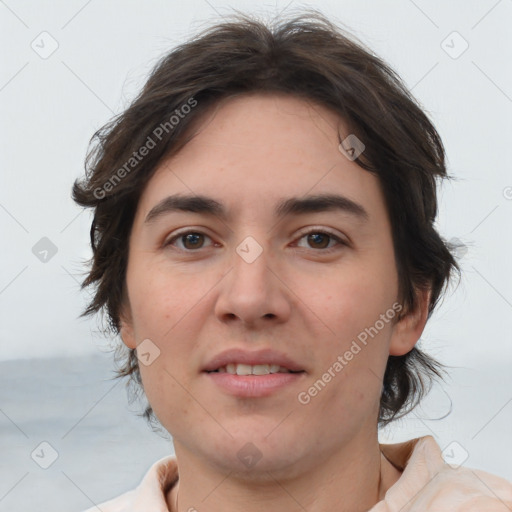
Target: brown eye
[[192, 240], [319, 240], [188, 241], [322, 241]]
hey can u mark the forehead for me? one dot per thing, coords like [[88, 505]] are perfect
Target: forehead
[[271, 123], [262, 147]]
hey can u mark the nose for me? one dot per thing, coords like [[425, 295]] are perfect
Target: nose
[[254, 293]]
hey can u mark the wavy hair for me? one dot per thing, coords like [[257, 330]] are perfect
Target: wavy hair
[[311, 58]]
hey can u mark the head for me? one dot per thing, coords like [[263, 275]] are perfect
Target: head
[[251, 116]]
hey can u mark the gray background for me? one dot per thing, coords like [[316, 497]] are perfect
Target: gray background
[[56, 369]]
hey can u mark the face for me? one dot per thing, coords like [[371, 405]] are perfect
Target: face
[[299, 285]]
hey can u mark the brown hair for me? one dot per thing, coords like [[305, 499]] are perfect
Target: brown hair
[[309, 57]]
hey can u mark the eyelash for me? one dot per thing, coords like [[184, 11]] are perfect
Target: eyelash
[[302, 235]]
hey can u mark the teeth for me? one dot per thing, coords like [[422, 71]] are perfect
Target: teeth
[[260, 369], [248, 369], [243, 369]]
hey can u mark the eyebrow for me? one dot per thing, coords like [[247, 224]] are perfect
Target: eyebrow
[[291, 206]]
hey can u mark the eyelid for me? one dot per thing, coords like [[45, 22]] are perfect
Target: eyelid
[[180, 233], [320, 229], [341, 240]]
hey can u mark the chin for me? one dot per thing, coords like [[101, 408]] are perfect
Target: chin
[[249, 462], [255, 447]]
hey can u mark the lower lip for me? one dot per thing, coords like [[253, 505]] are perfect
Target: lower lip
[[254, 385]]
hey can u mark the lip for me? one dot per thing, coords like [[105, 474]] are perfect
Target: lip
[[253, 386], [264, 356]]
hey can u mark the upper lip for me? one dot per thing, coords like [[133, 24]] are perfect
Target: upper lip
[[265, 356]]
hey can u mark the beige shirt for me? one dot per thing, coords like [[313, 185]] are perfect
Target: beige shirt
[[427, 484]]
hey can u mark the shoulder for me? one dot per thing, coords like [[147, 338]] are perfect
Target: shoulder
[[119, 504], [428, 483], [465, 490], [150, 494]]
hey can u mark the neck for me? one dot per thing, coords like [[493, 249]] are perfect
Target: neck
[[352, 479]]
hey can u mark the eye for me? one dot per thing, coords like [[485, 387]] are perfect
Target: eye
[[191, 240], [321, 240], [188, 241]]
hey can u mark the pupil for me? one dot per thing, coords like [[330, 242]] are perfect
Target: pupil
[[317, 238], [193, 238]]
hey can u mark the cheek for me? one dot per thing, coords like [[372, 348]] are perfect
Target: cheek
[[162, 299], [350, 305], [164, 390], [347, 300]]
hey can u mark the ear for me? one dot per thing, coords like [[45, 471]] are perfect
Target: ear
[[126, 327], [407, 330]]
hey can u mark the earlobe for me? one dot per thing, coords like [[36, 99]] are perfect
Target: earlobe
[[407, 331], [126, 333], [126, 330]]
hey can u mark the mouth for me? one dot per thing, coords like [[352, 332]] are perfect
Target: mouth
[[256, 369], [253, 374], [253, 381]]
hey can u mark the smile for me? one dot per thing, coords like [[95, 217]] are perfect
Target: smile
[[255, 369]]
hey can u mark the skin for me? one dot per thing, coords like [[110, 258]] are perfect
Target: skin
[[248, 153]]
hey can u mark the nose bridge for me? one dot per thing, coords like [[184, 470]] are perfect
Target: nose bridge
[[251, 266], [252, 291]]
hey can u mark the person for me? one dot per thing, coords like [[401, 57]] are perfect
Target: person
[[264, 244]]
